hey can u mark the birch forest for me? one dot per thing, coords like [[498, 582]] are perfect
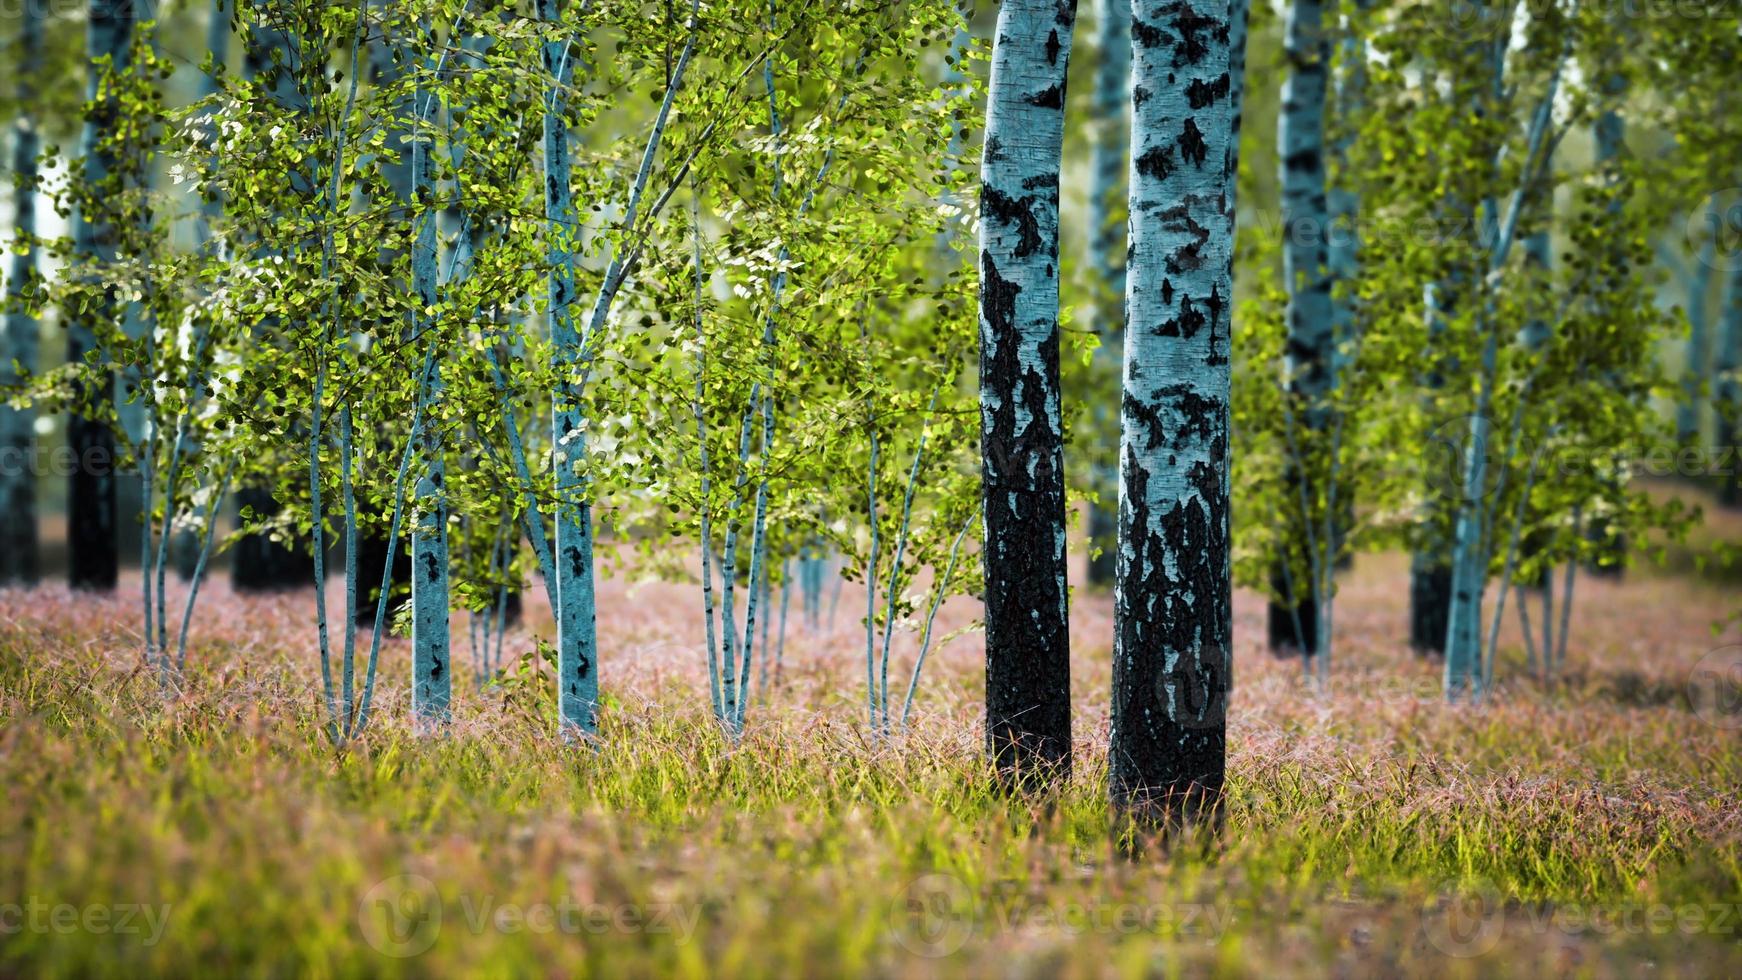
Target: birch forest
[[1022, 488]]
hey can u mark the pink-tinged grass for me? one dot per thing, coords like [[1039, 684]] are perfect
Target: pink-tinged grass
[[1590, 827]]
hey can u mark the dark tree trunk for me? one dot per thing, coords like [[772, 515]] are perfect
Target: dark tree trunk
[[20, 563], [371, 559], [1430, 607], [260, 564], [93, 553]]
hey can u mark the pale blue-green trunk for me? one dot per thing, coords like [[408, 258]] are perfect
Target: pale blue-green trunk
[[571, 357], [942, 591], [1344, 200], [1728, 372], [1298, 619], [432, 658], [1471, 544], [19, 559], [1173, 598], [704, 468], [1106, 253], [1699, 354], [1239, 13], [577, 648], [1028, 716]]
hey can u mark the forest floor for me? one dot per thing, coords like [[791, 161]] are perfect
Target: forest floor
[[1591, 827]]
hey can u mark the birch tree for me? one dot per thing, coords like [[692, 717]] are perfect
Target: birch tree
[[19, 559], [1028, 711], [1173, 601], [1311, 344], [1106, 172]]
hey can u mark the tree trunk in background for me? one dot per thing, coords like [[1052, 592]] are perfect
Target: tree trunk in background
[[20, 563], [1430, 601], [185, 545], [1311, 334], [92, 549], [1699, 348], [1344, 230], [258, 563], [1609, 136], [1539, 258], [577, 673], [1239, 12], [1430, 565], [1028, 707], [1173, 607], [1106, 259], [1728, 399], [432, 678]]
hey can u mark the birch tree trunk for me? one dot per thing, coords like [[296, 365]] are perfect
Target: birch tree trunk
[[1609, 136], [1699, 348], [578, 680], [1728, 399], [1311, 334], [432, 676], [19, 558], [1028, 710], [1106, 236], [92, 552], [1173, 605]]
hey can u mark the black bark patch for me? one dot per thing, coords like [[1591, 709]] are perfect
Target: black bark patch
[[1307, 160], [1196, 34], [1003, 208], [998, 301], [1187, 324], [1157, 162], [1052, 48], [1200, 93], [1192, 146], [1051, 97], [1147, 35]]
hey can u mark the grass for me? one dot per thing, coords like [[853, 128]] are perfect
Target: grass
[[1591, 827]]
